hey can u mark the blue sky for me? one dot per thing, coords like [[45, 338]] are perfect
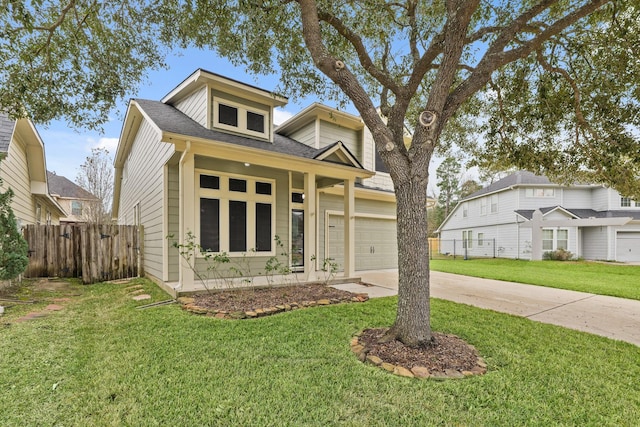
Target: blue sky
[[67, 148]]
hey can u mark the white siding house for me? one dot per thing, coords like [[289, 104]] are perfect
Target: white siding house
[[208, 160], [524, 215]]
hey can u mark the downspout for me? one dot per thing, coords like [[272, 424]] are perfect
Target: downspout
[[181, 209]]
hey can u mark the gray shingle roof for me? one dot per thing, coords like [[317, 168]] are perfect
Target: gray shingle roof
[[6, 131], [170, 119], [61, 186], [583, 213], [517, 178]]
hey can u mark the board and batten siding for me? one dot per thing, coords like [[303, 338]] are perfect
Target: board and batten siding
[[143, 184], [195, 106], [15, 174]]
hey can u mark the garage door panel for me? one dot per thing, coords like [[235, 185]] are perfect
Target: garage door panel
[[375, 242], [628, 246]]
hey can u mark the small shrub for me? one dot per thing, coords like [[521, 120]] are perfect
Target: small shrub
[[558, 255]]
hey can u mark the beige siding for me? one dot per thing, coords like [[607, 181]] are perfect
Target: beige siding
[[195, 106], [331, 133], [143, 183], [306, 134], [380, 180], [15, 175]]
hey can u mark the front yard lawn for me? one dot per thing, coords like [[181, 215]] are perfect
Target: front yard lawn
[[593, 277], [101, 362]]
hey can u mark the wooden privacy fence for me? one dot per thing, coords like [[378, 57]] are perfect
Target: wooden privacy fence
[[95, 252]]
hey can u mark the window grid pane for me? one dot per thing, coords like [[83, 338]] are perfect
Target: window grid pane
[[237, 226], [263, 227], [210, 224], [227, 115], [239, 185], [255, 122], [263, 188], [210, 181]]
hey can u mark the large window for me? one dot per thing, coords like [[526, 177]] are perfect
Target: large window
[[236, 117], [626, 202], [553, 239], [236, 213]]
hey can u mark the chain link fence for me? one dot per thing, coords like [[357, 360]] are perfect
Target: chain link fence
[[463, 249]]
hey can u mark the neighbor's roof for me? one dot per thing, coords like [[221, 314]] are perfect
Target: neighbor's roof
[[63, 187], [517, 178], [583, 213], [170, 119], [6, 131]]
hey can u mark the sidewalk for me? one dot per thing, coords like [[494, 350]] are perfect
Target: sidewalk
[[611, 317]]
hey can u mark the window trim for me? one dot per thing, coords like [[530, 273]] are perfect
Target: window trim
[[242, 118], [224, 195], [554, 238], [539, 192]]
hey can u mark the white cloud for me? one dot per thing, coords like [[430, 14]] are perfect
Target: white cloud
[[281, 116], [111, 144]]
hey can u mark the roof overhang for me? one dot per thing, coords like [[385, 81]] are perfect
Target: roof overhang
[[256, 156], [318, 111], [584, 222], [202, 77]]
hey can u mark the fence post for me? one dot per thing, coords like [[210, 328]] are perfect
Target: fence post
[[454, 249], [494, 247]]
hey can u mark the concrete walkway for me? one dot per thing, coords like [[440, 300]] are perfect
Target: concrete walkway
[[611, 317]]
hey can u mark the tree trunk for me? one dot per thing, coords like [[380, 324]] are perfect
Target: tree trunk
[[412, 326]]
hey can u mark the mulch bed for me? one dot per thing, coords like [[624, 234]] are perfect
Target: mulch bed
[[251, 299]]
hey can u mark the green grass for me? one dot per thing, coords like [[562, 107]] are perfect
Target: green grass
[[593, 277], [101, 362]]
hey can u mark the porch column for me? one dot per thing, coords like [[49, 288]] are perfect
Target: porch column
[[187, 213], [349, 228], [310, 226], [536, 236]]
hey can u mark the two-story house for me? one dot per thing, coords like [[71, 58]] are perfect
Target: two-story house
[[524, 215], [208, 160], [75, 200], [23, 169]]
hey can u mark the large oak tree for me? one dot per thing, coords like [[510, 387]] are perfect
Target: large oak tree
[[547, 85]]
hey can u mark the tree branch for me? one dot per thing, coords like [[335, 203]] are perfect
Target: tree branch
[[496, 57], [356, 41]]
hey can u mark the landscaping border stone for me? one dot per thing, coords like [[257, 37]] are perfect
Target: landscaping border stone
[[361, 352], [188, 304]]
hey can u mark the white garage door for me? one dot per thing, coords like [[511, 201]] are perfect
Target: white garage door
[[375, 242], [628, 246]]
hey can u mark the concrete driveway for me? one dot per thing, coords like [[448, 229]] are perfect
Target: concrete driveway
[[611, 317]]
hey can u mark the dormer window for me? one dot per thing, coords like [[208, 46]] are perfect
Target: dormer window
[[235, 117]]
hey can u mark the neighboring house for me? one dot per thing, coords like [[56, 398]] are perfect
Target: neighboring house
[[524, 215], [75, 200], [23, 169], [207, 159]]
